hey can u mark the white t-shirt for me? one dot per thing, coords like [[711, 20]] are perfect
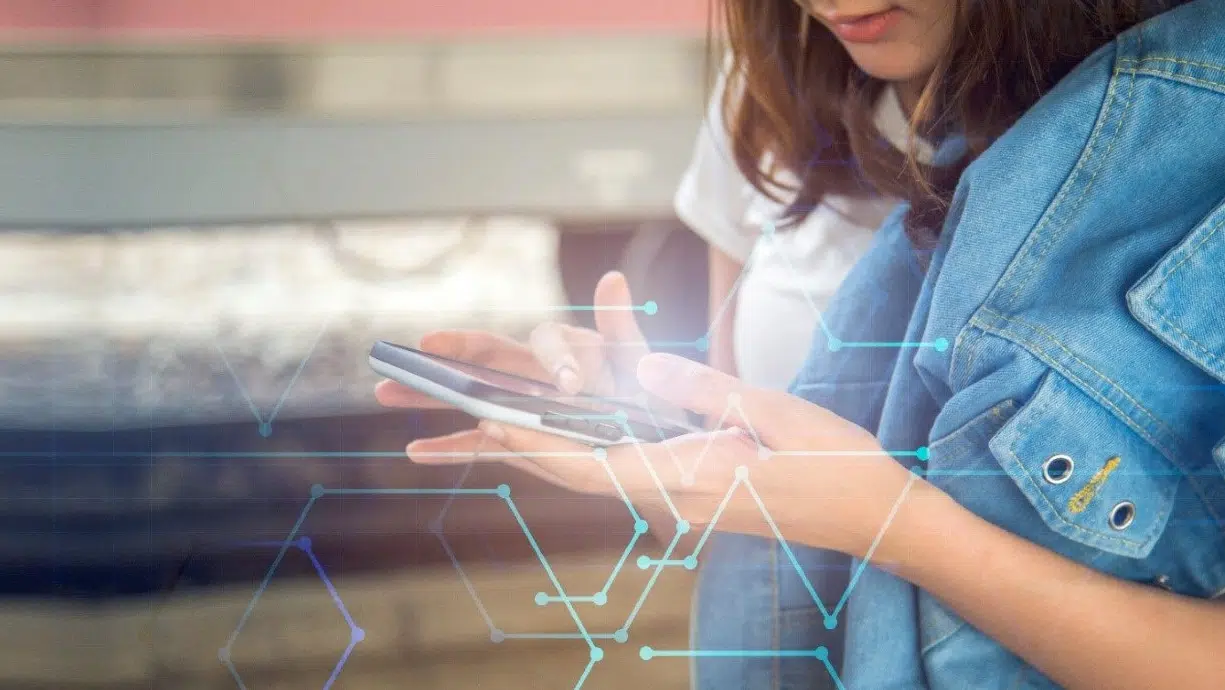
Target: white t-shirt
[[787, 273]]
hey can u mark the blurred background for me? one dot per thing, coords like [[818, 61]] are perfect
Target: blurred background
[[208, 212]]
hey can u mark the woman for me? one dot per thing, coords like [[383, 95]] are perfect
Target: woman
[[1036, 470], [766, 292]]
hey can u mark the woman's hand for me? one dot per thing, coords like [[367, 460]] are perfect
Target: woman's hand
[[576, 360], [824, 481]]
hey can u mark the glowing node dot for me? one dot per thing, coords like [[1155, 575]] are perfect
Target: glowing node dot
[[691, 562], [541, 598], [644, 562], [317, 491], [497, 636], [646, 653], [941, 344], [821, 653], [597, 654], [358, 635], [621, 636], [600, 454], [742, 472], [682, 527], [641, 526], [265, 429], [830, 622], [650, 308], [733, 399], [687, 480], [503, 491], [702, 344], [599, 599], [304, 543], [834, 345], [764, 453], [923, 453]]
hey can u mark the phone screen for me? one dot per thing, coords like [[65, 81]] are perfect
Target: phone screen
[[522, 386], [500, 379]]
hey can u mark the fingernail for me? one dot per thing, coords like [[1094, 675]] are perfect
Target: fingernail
[[492, 430]]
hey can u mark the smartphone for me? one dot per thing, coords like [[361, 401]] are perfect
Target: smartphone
[[507, 398]]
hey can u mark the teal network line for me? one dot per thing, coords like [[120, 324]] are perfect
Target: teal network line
[[356, 633], [650, 308], [265, 425], [820, 653], [832, 341], [668, 559]]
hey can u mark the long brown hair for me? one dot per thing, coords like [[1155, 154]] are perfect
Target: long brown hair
[[796, 103]]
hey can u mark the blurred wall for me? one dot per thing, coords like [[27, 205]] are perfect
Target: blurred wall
[[350, 18], [563, 108]]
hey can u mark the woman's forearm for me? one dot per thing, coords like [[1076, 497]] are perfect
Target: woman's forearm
[[1083, 629]]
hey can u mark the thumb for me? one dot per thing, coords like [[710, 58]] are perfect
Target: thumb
[[780, 420], [615, 320]]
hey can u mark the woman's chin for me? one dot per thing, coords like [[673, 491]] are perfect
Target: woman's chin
[[891, 62]]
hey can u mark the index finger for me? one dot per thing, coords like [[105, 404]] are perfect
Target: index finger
[[615, 320]]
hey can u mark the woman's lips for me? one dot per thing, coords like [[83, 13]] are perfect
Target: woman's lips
[[867, 28]]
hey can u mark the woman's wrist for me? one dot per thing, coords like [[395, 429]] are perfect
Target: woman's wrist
[[929, 530], [902, 516]]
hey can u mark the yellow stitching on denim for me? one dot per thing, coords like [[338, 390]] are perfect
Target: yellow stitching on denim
[[956, 373], [1170, 76], [1084, 194], [1112, 383], [1081, 500], [1189, 251], [1024, 430], [1140, 429], [1157, 58], [996, 412], [1108, 537], [1087, 155], [1161, 314], [1059, 514], [1179, 61], [1143, 432]]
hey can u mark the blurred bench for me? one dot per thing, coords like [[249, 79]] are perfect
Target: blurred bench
[[423, 625], [138, 328]]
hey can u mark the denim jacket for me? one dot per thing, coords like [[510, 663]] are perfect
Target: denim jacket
[[1061, 358]]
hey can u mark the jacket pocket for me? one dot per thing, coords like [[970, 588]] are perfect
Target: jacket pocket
[[1087, 474], [1182, 298]]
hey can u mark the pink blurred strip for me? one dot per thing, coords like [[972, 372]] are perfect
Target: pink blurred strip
[[340, 19], [42, 15]]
